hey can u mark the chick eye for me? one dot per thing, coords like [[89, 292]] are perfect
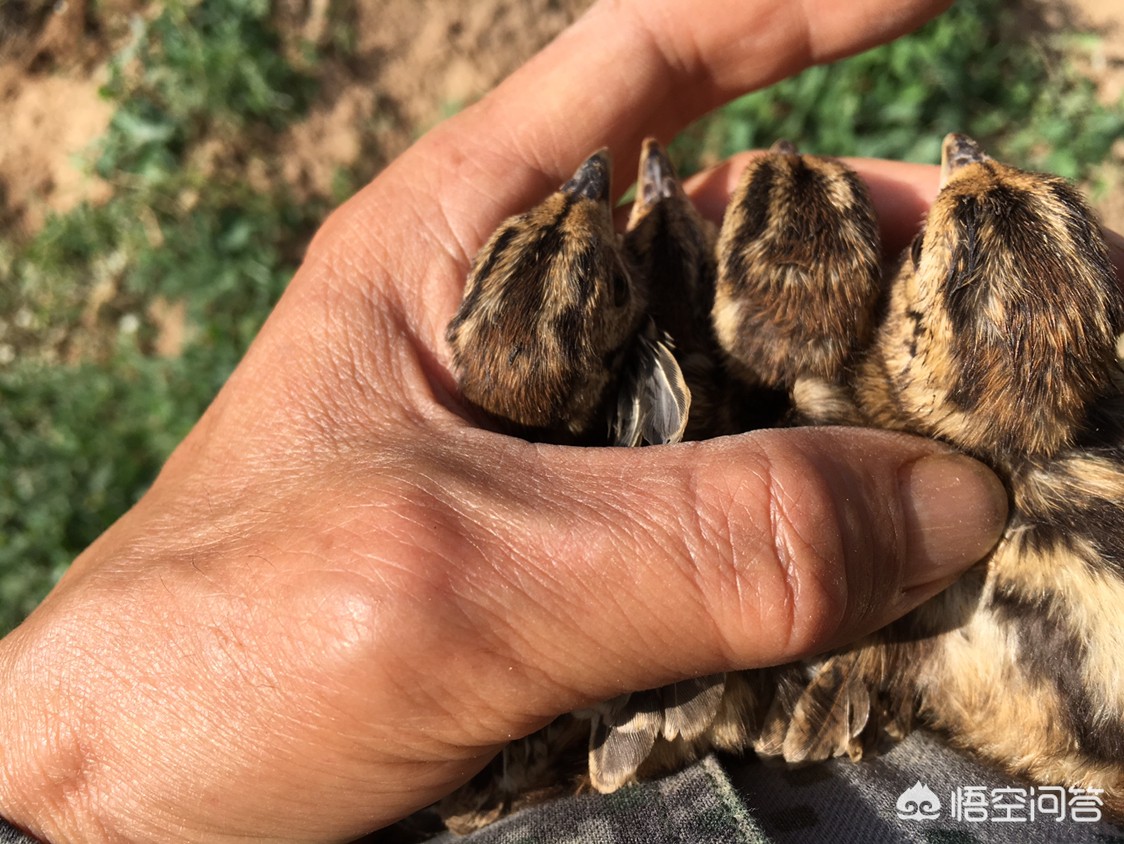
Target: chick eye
[[618, 286], [915, 249]]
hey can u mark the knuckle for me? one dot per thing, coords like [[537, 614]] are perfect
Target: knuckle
[[774, 532], [807, 557]]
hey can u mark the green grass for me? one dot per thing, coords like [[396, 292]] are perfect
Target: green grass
[[972, 70], [78, 445], [199, 92], [89, 411]]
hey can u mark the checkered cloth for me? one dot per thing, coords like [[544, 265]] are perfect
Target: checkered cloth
[[10, 835], [744, 801]]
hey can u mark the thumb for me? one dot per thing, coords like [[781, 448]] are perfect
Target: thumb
[[639, 567]]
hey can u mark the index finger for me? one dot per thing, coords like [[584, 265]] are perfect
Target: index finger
[[627, 69]]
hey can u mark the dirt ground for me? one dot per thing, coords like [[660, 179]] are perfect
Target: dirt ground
[[414, 60]]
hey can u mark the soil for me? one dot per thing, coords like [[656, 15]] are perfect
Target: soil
[[411, 63]]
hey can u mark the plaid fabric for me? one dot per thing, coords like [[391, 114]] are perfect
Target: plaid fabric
[[698, 804], [10, 835], [746, 801]]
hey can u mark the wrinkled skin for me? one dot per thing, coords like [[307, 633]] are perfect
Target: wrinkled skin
[[340, 597]]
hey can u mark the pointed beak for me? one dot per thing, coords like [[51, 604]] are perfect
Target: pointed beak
[[783, 147], [958, 151], [657, 178], [592, 179]]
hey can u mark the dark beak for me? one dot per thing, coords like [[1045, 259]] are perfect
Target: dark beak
[[657, 179], [783, 147], [958, 151], [591, 180]]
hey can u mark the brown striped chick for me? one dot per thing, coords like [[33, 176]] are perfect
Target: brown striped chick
[[552, 342], [787, 255], [999, 339], [672, 248], [798, 287], [799, 272], [550, 328], [1004, 354]]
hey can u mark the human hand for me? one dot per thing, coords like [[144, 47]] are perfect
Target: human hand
[[339, 599]]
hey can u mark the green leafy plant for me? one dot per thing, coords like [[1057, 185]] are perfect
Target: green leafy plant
[[78, 444], [88, 409], [972, 70]]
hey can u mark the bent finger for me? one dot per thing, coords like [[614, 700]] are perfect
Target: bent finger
[[625, 70], [630, 69]]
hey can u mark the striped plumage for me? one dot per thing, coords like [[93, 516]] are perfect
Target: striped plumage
[[553, 341], [673, 250], [799, 269], [996, 335], [549, 308], [1003, 318], [1000, 339], [671, 247]]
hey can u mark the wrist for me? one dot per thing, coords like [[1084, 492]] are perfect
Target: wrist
[[44, 782]]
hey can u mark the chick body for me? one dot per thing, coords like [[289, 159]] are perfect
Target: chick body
[[552, 341], [1002, 320], [999, 339], [673, 249], [787, 256], [799, 271]]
